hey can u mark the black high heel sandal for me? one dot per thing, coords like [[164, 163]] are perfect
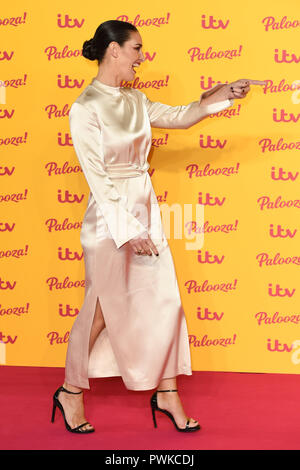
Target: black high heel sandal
[[56, 403], [154, 407]]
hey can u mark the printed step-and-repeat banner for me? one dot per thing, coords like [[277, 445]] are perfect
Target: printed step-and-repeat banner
[[238, 265]]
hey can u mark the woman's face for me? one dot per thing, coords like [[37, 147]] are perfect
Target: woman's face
[[130, 55]]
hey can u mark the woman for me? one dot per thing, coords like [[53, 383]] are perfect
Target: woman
[[132, 323]]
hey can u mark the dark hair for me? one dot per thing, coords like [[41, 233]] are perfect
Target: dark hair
[[112, 30]]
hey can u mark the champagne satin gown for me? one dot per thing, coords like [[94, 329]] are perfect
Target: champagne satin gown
[[145, 338]]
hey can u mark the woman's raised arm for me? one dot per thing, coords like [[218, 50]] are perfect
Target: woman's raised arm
[[217, 98]]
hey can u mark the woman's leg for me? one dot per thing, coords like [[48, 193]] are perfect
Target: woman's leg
[[73, 404], [171, 402]]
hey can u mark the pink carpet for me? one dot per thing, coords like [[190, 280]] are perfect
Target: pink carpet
[[236, 411]]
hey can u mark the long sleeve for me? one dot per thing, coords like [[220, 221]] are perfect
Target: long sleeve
[[182, 116], [86, 133]]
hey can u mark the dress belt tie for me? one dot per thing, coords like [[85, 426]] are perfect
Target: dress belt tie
[[126, 170]]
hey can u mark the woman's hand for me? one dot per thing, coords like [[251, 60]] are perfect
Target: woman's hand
[[240, 88], [142, 245], [233, 90]]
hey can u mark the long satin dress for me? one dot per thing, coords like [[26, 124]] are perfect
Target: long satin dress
[[145, 338]]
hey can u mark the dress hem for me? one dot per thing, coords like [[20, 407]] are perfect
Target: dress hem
[[136, 386]]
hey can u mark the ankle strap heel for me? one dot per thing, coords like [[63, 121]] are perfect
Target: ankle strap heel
[[63, 389], [57, 404], [155, 408]]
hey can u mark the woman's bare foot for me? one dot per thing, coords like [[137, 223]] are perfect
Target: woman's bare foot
[[73, 407], [171, 402]]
